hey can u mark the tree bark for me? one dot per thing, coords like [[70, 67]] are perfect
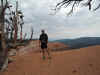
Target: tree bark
[[3, 49], [31, 34], [21, 33]]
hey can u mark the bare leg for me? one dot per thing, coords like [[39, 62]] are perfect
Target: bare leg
[[48, 53], [43, 53]]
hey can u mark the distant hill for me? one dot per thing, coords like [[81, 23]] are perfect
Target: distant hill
[[80, 42]]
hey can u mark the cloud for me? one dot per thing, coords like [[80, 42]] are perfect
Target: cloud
[[79, 24]]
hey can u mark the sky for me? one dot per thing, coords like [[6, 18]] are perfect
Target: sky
[[38, 14]]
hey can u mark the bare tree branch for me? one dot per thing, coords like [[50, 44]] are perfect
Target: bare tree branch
[[75, 3]]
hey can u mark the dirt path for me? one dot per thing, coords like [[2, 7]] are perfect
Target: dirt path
[[83, 61], [32, 64]]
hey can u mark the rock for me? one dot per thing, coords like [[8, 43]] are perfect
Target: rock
[[5, 65], [10, 60], [12, 52]]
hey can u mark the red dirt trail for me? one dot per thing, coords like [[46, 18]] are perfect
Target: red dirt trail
[[84, 61]]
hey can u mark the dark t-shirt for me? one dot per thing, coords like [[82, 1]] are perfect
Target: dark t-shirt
[[43, 38]]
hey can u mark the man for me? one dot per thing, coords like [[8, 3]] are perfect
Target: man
[[43, 41]]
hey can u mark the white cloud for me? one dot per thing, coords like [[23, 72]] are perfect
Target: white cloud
[[81, 23]]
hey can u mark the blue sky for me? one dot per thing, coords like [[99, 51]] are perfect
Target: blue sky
[[37, 14]]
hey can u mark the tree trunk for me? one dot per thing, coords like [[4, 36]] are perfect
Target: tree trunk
[[15, 30], [11, 35], [31, 34], [21, 34], [16, 24], [3, 49], [25, 36], [15, 34]]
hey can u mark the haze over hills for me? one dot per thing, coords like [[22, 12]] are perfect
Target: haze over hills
[[80, 42]]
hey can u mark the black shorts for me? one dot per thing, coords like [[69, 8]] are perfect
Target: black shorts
[[43, 46]]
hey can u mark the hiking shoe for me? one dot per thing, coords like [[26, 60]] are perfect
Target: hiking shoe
[[43, 57]]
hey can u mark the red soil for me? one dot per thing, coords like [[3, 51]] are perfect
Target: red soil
[[84, 61]]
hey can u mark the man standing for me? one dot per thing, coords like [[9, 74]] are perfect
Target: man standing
[[43, 41]]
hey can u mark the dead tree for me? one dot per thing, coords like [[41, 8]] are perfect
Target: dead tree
[[32, 31], [17, 16], [75, 3], [15, 29], [25, 36], [21, 25], [12, 24], [11, 27], [7, 32], [21, 32], [3, 49]]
